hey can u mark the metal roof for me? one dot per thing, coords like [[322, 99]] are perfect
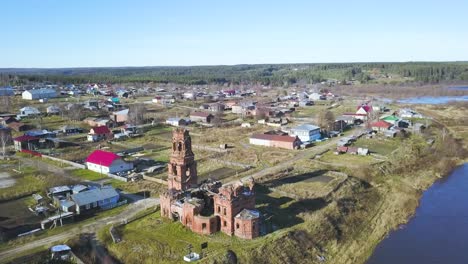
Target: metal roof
[[306, 127], [248, 214], [58, 189], [59, 248], [94, 195], [66, 203]]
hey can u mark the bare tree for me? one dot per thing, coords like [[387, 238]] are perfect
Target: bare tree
[[326, 120], [5, 104], [5, 140], [76, 112], [218, 119], [136, 114]]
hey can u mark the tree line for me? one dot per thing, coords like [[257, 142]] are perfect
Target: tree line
[[264, 74]]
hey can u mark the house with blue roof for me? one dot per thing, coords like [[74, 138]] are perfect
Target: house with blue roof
[[306, 132], [6, 91]]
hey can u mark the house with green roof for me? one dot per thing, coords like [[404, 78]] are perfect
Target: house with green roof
[[390, 119]]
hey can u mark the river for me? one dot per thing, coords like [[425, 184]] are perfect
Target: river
[[438, 232]]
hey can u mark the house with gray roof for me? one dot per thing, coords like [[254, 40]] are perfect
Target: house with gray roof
[[98, 198], [37, 94], [306, 132]]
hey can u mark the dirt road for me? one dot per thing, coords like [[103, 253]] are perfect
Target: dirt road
[[129, 212]]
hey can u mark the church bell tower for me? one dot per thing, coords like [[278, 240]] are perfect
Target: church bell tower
[[182, 167]]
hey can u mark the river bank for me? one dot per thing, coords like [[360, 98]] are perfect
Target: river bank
[[422, 240]]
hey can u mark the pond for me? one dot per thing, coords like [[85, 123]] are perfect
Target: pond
[[438, 232]]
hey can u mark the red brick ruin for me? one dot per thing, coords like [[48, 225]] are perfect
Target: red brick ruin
[[208, 207]]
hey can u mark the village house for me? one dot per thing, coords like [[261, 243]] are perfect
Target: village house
[[69, 129], [201, 117], [120, 117], [41, 133], [29, 111], [25, 142], [18, 126], [6, 91], [91, 200], [177, 122], [391, 119], [211, 207], [107, 162], [339, 125], [98, 121], [99, 133], [278, 141], [380, 126], [37, 94], [91, 105], [244, 108], [5, 121], [306, 132], [409, 113], [164, 100], [362, 113], [53, 110]]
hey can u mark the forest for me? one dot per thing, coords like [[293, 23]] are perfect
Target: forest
[[264, 74]]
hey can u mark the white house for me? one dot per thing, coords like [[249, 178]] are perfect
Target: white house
[[29, 111], [176, 122], [189, 95], [37, 94], [107, 162], [306, 132], [314, 96], [53, 109]]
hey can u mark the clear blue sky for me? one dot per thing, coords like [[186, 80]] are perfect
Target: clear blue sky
[[91, 33]]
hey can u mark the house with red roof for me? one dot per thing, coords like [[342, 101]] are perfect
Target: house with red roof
[[364, 109], [107, 162], [381, 126], [277, 141], [99, 133], [25, 142]]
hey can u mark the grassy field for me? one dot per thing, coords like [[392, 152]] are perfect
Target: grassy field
[[346, 159], [379, 145], [27, 182], [88, 175]]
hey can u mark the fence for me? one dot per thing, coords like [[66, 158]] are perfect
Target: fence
[[210, 148], [154, 179], [74, 164], [117, 177], [107, 207], [34, 153]]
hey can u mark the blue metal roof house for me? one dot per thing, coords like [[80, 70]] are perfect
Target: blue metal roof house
[[6, 91], [306, 132], [99, 198]]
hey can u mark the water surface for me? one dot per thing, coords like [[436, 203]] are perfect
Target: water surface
[[438, 233], [433, 99]]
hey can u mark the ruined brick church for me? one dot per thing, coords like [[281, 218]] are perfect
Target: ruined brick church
[[208, 207]]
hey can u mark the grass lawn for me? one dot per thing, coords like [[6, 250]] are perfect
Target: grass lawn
[[27, 182], [60, 229], [345, 159], [153, 238], [88, 175], [382, 146]]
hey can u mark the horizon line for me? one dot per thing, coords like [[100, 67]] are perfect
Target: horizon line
[[219, 65]]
